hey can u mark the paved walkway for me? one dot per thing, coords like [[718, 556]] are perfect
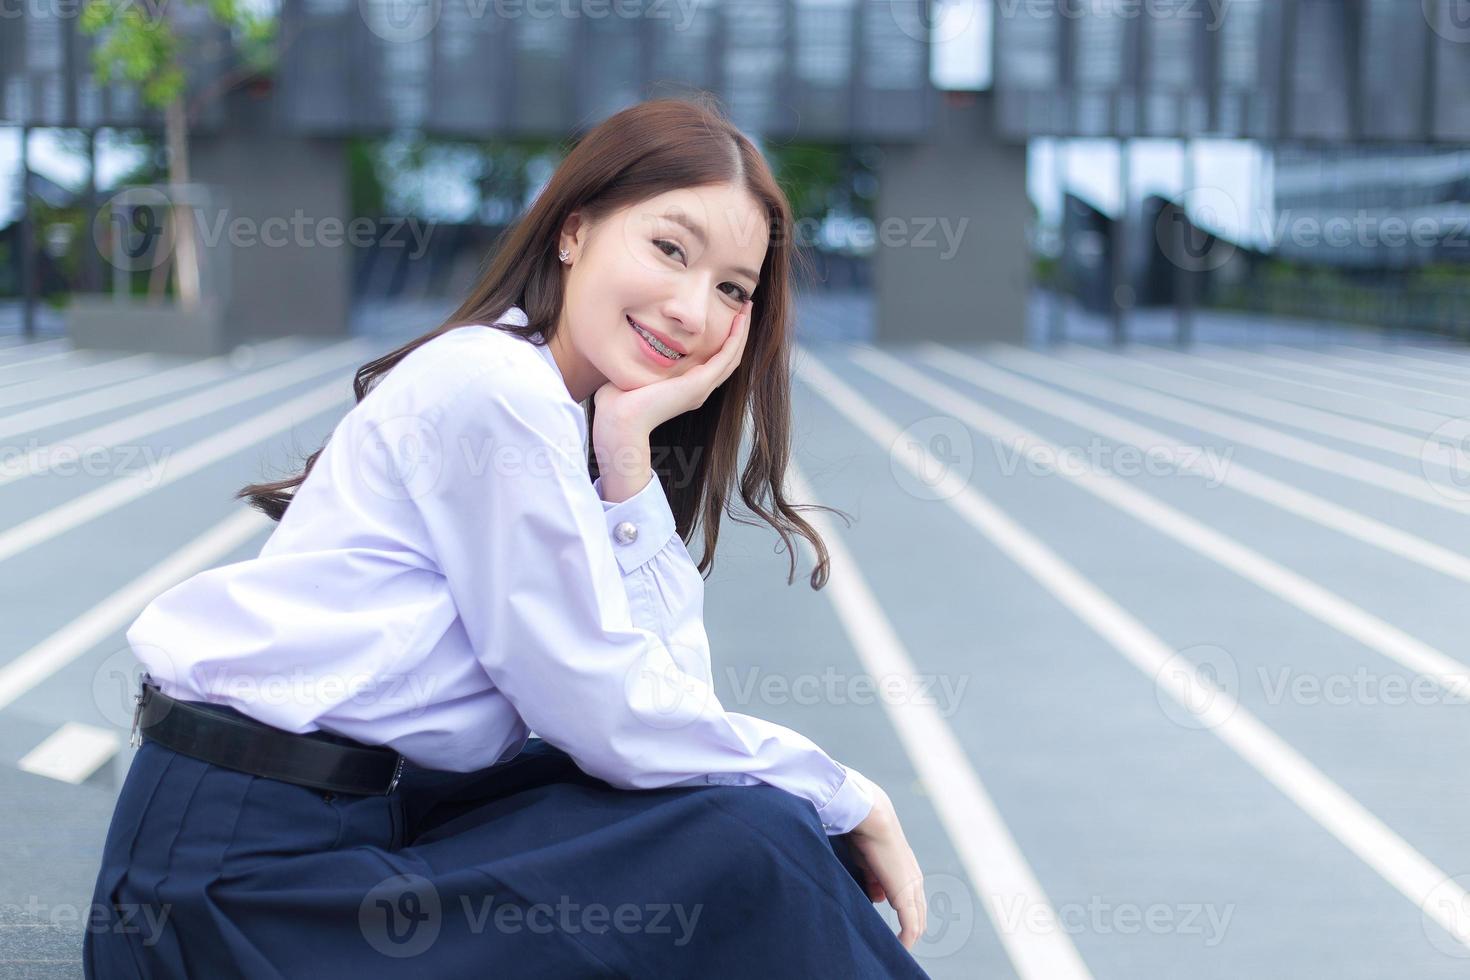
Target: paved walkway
[[1161, 655]]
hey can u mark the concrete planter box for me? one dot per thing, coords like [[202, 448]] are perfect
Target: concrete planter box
[[135, 324], [269, 212]]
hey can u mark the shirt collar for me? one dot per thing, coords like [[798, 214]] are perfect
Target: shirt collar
[[544, 349], [517, 316], [538, 342]]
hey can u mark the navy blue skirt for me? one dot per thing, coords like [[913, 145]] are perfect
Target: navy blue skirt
[[530, 868]]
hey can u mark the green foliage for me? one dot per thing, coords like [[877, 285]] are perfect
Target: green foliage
[[1433, 298], [151, 166], [1045, 269], [138, 45], [822, 178], [74, 218], [807, 173], [1444, 275], [364, 186], [395, 174]]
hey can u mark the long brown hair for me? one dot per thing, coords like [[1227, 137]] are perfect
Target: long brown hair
[[645, 150]]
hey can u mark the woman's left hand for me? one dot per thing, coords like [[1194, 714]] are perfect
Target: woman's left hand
[[645, 409]]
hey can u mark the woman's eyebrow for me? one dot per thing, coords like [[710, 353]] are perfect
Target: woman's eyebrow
[[678, 217]]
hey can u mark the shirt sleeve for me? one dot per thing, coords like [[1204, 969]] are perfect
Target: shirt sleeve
[[664, 587], [536, 570]]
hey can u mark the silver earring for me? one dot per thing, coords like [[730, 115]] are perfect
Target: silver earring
[[564, 255]]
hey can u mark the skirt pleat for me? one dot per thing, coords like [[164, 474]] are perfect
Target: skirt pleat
[[530, 868]]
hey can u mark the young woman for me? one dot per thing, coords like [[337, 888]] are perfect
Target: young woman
[[457, 718]]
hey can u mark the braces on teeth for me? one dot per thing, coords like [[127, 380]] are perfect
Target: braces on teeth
[[655, 343]]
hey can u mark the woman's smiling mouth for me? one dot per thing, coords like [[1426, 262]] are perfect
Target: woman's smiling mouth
[[656, 348]]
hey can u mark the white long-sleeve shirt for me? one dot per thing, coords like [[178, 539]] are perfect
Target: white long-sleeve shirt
[[448, 581]]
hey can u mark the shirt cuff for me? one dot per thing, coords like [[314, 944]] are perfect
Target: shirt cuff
[[639, 526], [849, 806]]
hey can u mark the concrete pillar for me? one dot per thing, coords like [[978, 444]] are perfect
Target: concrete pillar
[[954, 265], [294, 274], [270, 214]]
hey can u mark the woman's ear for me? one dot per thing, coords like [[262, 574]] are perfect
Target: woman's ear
[[573, 232]]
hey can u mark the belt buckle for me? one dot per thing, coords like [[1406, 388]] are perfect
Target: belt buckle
[[397, 771], [135, 737]]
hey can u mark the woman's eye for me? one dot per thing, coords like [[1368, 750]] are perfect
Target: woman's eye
[[659, 243]]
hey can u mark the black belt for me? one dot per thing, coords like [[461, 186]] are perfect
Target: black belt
[[226, 737]]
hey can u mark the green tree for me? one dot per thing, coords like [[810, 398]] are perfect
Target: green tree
[[140, 45]]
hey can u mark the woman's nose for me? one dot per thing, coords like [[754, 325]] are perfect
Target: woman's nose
[[688, 317]]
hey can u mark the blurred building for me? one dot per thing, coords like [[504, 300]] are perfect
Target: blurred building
[[1334, 81], [1372, 206], [836, 72], [1360, 103]]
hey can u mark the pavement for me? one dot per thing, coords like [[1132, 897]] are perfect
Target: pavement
[[1159, 653]]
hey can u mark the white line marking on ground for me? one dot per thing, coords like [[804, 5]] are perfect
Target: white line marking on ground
[[10, 369], [1301, 782], [997, 869], [117, 610], [1332, 399], [1289, 447], [1358, 365], [1237, 476], [1452, 404], [104, 438], [1272, 577], [211, 449], [1215, 393], [1450, 370], [1452, 358], [91, 376], [140, 389], [71, 753], [14, 345]]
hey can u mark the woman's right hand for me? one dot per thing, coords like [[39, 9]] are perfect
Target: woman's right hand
[[645, 408], [882, 853]]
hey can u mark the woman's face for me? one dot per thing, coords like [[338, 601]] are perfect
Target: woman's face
[[679, 265]]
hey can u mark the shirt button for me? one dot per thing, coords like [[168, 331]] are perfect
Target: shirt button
[[626, 532]]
